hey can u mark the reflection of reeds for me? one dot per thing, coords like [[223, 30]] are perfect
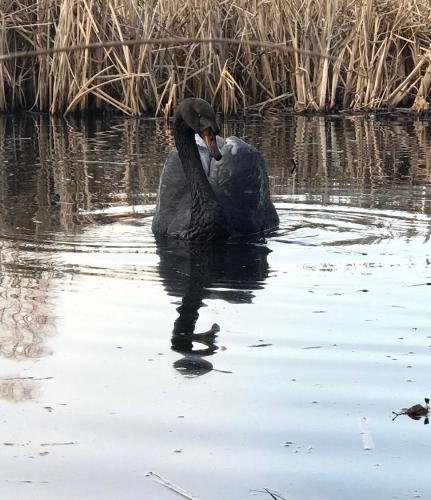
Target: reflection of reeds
[[56, 169], [25, 317], [380, 51], [18, 390], [80, 166], [360, 156]]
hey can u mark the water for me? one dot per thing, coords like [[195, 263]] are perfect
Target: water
[[296, 352]]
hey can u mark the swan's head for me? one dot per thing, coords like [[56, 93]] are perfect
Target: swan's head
[[200, 117]]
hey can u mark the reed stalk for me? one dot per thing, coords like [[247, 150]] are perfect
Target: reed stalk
[[303, 55]]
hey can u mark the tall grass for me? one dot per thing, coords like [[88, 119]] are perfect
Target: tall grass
[[381, 50]]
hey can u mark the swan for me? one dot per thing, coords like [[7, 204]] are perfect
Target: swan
[[211, 189]]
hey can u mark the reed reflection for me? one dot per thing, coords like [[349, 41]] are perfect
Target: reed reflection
[[26, 321], [198, 272], [18, 390], [52, 170]]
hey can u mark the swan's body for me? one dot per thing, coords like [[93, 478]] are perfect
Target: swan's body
[[204, 198]]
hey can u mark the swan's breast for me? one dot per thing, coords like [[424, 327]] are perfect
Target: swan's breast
[[201, 143], [204, 153]]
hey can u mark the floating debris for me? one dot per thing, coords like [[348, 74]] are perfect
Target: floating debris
[[415, 412], [167, 484], [272, 494], [288, 444], [59, 444]]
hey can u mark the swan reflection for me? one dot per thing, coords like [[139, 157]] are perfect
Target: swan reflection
[[196, 272]]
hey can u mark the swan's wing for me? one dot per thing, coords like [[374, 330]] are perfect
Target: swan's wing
[[174, 199], [241, 184], [173, 182], [240, 175], [173, 203]]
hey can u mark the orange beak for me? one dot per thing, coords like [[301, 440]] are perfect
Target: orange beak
[[210, 140]]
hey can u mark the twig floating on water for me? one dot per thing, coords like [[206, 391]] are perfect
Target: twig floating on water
[[274, 495], [59, 444], [171, 486]]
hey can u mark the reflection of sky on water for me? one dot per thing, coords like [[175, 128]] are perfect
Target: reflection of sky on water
[[91, 308]]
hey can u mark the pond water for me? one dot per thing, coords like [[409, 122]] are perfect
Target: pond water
[[231, 372]]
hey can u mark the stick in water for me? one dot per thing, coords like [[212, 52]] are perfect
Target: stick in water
[[171, 486]]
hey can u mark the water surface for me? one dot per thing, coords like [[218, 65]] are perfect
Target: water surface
[[225, 369]]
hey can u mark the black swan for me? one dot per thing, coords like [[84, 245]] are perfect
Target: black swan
[[219, 198]]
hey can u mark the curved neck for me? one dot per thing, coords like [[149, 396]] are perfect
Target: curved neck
[[189, 155], [207, 218]]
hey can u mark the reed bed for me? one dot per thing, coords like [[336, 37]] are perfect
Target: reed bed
[[379, 55]]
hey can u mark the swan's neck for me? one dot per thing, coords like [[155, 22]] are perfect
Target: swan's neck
[[191, 161], [207, 220]]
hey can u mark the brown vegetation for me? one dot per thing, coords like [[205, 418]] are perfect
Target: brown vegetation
[[380, 49]]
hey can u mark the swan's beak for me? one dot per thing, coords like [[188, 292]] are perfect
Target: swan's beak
[[210, 140]]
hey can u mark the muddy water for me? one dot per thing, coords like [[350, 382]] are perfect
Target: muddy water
[[129, 368]]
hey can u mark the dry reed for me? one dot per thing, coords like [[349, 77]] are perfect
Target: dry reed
[[378, 55]]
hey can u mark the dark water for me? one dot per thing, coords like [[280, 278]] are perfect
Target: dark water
[[224, 370]]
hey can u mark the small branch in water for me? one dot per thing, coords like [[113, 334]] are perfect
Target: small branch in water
[[274, 495], [59, 444], [171, 486]]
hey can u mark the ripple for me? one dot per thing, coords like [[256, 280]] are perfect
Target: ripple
[[312, 225], [119, 243]]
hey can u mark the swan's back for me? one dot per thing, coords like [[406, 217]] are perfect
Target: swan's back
[[240, 182]]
